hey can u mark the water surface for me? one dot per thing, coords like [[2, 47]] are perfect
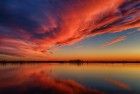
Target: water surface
[[44, 78]]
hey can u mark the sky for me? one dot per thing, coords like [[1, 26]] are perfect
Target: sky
[[69, 29]]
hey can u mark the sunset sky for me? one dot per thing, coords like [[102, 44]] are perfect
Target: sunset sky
[[69, 29]]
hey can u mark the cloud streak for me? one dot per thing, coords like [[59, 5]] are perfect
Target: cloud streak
[[114, 41], [41, 25]]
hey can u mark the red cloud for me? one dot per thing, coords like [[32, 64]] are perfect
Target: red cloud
[[90, 18], [73, 22]]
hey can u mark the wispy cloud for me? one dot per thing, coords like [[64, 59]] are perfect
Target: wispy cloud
[[114, 41], [46, 24]]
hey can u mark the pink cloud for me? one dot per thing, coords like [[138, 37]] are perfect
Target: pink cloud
[[114, 41], [19, 48]]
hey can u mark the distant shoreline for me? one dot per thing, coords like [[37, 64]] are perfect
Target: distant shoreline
[[71, 61]]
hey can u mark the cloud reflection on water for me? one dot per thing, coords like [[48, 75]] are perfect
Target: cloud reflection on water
[[36, 80]]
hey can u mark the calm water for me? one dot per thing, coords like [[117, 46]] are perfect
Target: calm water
[[70, 79]]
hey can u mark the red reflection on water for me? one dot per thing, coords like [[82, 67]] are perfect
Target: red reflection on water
[[38, 81]]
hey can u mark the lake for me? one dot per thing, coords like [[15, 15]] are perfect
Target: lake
[[56, 78]]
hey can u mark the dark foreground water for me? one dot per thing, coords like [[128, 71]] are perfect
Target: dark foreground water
[[70, 79]]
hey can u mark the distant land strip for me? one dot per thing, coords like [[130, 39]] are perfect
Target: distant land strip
[[70, 61]]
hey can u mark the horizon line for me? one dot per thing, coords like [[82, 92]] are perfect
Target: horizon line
[[76, 61]]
